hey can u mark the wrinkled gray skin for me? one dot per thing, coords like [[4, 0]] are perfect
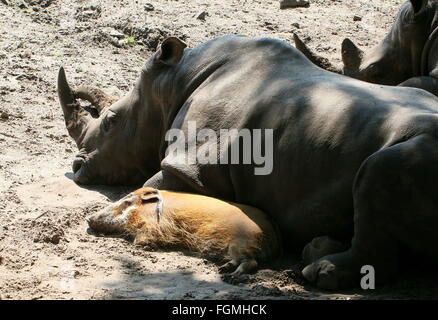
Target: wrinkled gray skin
[[407, 56], [350, 158]]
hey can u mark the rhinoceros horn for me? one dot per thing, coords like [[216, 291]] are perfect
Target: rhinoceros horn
[[75, 117], [351, 56], [316, 59]]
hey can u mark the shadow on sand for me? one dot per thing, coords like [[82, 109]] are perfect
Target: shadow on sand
[[282, 280], [113, 193]]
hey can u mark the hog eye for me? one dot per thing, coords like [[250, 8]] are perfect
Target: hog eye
[[127, 203], [109, 121]]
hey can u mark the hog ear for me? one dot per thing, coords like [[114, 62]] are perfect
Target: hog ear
[[150, 196], [171, 51], [418, 5], [351, 55]]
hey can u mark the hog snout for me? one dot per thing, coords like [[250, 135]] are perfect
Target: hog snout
[[106, 221], [95, 221], [103, 221]]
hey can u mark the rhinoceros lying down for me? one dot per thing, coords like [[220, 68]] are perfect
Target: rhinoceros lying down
[[407, 56], [214, 228], [349, 158]]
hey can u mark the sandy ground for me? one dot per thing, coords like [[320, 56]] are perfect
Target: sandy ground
[[46, 251]]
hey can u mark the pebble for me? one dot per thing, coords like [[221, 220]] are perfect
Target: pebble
[[201, 15], [4, 115], [284, 4], [149, 7], [23, 5], [296, 25], [357, 18], [116, 34]]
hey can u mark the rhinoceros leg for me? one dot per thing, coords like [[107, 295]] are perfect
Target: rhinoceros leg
[[396, 202], [426, 83], [320, 247], [164, 180]]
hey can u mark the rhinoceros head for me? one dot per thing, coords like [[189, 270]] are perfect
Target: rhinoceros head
[[120, 143], [398, 56]]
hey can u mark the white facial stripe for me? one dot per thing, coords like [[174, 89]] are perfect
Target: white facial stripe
[[128, 210], [123, 218]]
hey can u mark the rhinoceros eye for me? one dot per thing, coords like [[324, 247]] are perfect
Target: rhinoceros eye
[[109, 121], [374, 71]]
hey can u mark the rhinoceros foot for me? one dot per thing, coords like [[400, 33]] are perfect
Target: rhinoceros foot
[[320, 247], [333, 272]]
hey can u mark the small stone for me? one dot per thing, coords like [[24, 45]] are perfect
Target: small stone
[[26, 54], [296, 25], [89, 13], [6, 2], [23, 5], [4, 115], [357, 18], [149, 7], [201, 15], [55, 239], [284, 4], [117, 34]]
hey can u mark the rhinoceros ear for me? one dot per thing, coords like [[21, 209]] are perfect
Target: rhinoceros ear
[[351, 55], [418, 5], [171, 51]]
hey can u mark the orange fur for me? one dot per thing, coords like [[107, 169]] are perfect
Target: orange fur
[[203, 224]]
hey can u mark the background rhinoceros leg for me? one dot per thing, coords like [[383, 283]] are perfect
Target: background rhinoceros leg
[[427, 83], [395, 201], [320, 247]]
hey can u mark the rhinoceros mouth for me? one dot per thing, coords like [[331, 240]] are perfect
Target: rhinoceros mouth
[[79, 170], [78, 162]]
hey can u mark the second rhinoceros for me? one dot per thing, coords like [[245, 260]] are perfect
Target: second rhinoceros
[[407, 56]]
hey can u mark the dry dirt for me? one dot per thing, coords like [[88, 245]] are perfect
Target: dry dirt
[[46, 251]]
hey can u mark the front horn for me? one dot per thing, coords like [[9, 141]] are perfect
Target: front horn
[[75, 117]]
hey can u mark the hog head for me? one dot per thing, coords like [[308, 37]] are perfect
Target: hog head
[[125, 214]]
